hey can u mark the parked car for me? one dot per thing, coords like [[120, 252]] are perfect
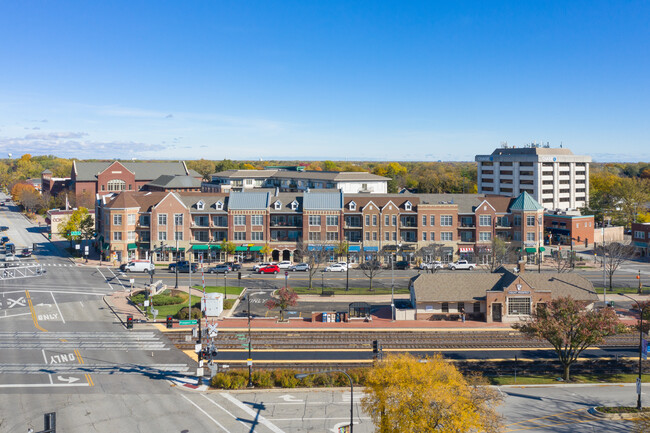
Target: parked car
[[462, 264], [430, 266], [257, 266], [285, 264], [9, 257], [4, 228], [370, 264], [186, 268], [26, 252], [270, 269], [336, 267], [4, 240], [300, 267], [220, 269], [234, 266], [402, 265], [172, 266]]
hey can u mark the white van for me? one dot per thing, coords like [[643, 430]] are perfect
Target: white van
[[138, 266]]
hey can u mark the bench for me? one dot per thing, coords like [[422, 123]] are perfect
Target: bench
[[327, 293]]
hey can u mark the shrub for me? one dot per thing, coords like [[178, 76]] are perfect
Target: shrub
[[262, 379], [167, 300], [285, 378], [358, 375], [238, 380], [183, 313], [221, 380], [228, 303]]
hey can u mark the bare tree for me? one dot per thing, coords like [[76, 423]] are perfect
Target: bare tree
[[314, 254], [371, 268], [500, 253], [430, 252], [563, 263], [614, 255]]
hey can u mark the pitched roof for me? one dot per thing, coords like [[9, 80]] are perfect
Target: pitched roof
[[465, 202], [525, 202], [286, 198], [176, 181], [334, 176], [131, 199], [322, 200], [380, 200], [190, 199], [249, 200], [88, 171], [451, 287]]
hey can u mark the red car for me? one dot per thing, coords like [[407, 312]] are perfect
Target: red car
[[270, 269]]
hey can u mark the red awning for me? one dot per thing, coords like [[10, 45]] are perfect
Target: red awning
[[466, 249]]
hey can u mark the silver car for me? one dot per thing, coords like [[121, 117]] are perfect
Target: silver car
[[300, 267]]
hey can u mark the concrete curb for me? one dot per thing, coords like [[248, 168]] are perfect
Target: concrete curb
[[113, 310], [617, 416]]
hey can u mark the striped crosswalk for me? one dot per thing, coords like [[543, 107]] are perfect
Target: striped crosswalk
[[147, 341], [87, 368]]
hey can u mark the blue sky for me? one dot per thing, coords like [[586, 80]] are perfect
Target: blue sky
[[351, 80]]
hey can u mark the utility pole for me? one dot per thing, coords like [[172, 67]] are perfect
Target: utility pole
[[250, 345]]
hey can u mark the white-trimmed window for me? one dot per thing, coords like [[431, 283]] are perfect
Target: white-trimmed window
[[294, 205], [239, 220], [639, 235], [115, 185], [424, 220], [395, 236], [277, 205], [367, 236], [314, 220], [367, 220], [433, 236], [162, 236], [424, 234], [374, 220], [530, 220], [446, 236], [485, 220], [131, 235], [433, 220], [130, 219], [519, 306], [332, 220], [314, 236], [200, 205], [117, 220], [446, 220], [257, 236], [408, 206], [530, 236], [239, 236], [352, 206], [117, 236], [178, 236], [332, 236], [219, 205], [374, 236], [178, 219], [485, 236], [257, 220], [387, 236], [387, 220], [162, 219]]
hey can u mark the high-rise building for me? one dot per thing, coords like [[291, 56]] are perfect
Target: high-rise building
[[555, 177]]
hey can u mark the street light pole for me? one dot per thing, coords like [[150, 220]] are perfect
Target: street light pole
[[303, 375], [250, 346], [176, 237], [642, 311], [347, 269]]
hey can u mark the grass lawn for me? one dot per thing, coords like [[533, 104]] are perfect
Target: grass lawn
[[575, 378], [316, 290], [626, 290], [234, 291]]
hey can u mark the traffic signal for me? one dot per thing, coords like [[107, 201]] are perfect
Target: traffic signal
[[375, 347], [169, 322], [129, 322], [239, 275], [49, 236]]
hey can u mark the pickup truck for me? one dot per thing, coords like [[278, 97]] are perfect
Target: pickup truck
[[430, 266], [462, 264]]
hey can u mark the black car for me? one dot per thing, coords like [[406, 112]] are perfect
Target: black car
[[370, 264], [186, 268], [234, 266], [402, 265], [4, 228], [172, 266], [4, 240]]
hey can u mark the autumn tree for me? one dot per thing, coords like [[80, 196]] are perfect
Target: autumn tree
[[614, 254], [204, 167], [283, 299], [266, 251], [570, 328], [228, 247], [78, 221], [406, 394]]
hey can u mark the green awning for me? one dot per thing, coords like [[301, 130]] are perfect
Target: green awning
[[542, 249], [131, 247], [215, 247], [256, 248], [105, 245], [531, 250], [173, 250], [200, 247], [241, 249]]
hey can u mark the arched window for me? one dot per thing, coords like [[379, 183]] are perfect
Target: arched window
[[116, 185]]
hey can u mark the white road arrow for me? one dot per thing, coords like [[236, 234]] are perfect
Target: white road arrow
[[290, 399], [43, 305], [67, 379]]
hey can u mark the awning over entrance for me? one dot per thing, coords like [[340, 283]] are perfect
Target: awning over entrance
[[256, 248], [466, 249], [531, 250], [131, 247], [354, 248], [144, 245], [371, 249], [215, 247], [173, 249], [542, 249], [241, 249], [390, 248], [200, 247], [448, 250], [320, 247]]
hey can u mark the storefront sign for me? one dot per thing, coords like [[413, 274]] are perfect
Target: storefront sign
[[519, 292]]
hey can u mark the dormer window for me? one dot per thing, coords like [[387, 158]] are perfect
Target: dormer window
[[200, 205], [352, 206], [277, 205], [408, 206], [294, 205], [218, 205]]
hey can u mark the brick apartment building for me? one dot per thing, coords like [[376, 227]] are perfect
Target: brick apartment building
[[172, 224]]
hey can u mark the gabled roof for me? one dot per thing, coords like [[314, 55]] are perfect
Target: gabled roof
[[176, 181], [322, 200], [333, 176], [132, 199], [88, 171], [285, 199], [525, 202], [249, 200], [190, 199]]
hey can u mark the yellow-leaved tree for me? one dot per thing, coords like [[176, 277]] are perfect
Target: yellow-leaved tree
[[408, 394]]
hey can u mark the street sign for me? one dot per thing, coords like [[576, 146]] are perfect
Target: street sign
[[146, 303], [249, 362], [197, 347], [286, 273], [187, 322], [75, 233]]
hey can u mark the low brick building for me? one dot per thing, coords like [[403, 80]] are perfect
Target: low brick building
[[641, 238], [561, 228], [502, 296]]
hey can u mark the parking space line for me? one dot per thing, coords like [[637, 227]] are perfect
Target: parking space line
[[229, 413], [251, 412], [57, 307], [45, 359]]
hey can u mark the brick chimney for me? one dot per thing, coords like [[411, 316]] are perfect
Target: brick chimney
[[522, 266]]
